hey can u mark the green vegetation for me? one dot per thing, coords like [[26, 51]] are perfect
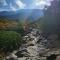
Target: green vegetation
[[9, 40], [11, 32], [20, 28], [11, 25]]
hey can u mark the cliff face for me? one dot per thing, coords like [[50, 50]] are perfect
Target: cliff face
[[54, 10], [50, 22], [52, 17]]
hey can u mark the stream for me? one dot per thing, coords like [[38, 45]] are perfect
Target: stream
[[34, 47]]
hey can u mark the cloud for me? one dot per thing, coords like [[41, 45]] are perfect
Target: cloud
[[12, 8], [43, 3], [17, 5], [40, 4], [20, 4], [3, 2]]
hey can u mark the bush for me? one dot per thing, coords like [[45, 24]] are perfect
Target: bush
[[9, 40]]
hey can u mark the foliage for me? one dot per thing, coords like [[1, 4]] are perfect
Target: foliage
[[11, 25], [9, 40], [20, 28]]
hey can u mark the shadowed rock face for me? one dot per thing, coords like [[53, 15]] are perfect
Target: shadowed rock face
[[52, 57], [11, 59], [53, 17], [19, 54]]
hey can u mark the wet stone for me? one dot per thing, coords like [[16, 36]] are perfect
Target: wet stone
[[19, 54], [11, 59], [52, 57]]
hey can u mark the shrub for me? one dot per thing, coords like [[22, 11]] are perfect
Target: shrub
[[9, 40]]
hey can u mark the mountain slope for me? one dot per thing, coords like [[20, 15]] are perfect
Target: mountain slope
[[23, 14], [50, 23]]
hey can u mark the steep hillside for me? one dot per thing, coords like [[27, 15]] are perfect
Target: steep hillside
[[7, 24], [50, 23]]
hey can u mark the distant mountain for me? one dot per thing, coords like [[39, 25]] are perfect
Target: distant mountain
[[13, 9], [36, 14], [23, 14]]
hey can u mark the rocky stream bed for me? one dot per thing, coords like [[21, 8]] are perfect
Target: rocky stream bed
[[35, 47]]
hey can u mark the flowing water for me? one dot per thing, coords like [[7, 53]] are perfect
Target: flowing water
[[34, 48]]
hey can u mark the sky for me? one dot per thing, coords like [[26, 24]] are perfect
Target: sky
[[14, 5]]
